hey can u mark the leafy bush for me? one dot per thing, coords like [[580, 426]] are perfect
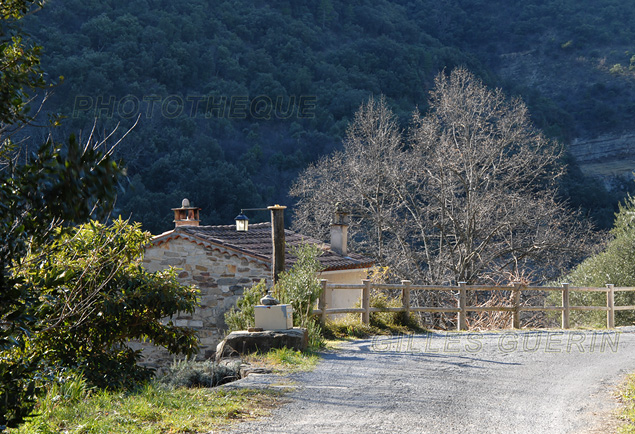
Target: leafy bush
[[96, 296], [299, 287], [616, 265], [41, 199]]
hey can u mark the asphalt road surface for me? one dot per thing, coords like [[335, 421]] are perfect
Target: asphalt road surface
[[504, 382]]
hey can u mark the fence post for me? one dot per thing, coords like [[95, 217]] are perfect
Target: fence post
[[610, 303], [516, 301], [405, 299], [322, 301], [462, 322], [366, 301], [565, 305]]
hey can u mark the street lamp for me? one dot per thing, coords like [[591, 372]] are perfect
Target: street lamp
[[242, 222]]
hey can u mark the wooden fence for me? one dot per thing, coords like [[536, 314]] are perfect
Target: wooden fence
[[462, 308]]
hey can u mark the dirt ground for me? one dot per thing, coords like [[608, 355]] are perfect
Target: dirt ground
[[508, 381]]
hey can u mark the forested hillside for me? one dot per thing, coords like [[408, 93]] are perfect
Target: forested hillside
[[234, 98]]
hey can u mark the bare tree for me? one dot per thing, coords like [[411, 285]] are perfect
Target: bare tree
[[363, 176], [467, 194]]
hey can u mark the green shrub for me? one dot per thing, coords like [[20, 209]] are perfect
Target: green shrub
[[616, 265], [96, 297], [298, 287], [314, 330], [301, 288]]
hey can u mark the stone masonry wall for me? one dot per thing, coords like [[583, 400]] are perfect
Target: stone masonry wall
[[220, 277]]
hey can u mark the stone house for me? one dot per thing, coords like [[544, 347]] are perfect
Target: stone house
[[221, 262]]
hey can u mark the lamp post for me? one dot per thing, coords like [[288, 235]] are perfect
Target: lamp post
[[277, 235], [242, 222], [277, 240]]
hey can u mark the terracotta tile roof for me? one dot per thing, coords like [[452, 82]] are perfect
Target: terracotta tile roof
[[257, 243]]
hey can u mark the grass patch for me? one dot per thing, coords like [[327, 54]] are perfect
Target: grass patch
[[182, 401], [152, 408], [350, 326], [627, 412], [381, 323], [285, 360]]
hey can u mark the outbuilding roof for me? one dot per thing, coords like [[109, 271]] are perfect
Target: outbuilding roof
[[257, 243]]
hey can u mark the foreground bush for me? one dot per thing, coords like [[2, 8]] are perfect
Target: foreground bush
[[95, 297]]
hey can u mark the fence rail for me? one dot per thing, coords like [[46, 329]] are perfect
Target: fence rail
[[406, 287]]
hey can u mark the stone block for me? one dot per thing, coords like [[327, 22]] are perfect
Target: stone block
[[244, 342], [227, 281], [214, 290], [196, 323], [209, 300], [205, 334], [172, 254], [173, 261]]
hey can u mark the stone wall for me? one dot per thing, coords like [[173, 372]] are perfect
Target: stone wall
[[220, 277]]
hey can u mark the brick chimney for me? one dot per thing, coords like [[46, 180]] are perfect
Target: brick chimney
[[186, 215], [339, 230]]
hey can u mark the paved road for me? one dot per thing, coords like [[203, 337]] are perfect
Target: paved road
[[506, 382]]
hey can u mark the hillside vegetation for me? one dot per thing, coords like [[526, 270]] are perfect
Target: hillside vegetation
[[236, 97]]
